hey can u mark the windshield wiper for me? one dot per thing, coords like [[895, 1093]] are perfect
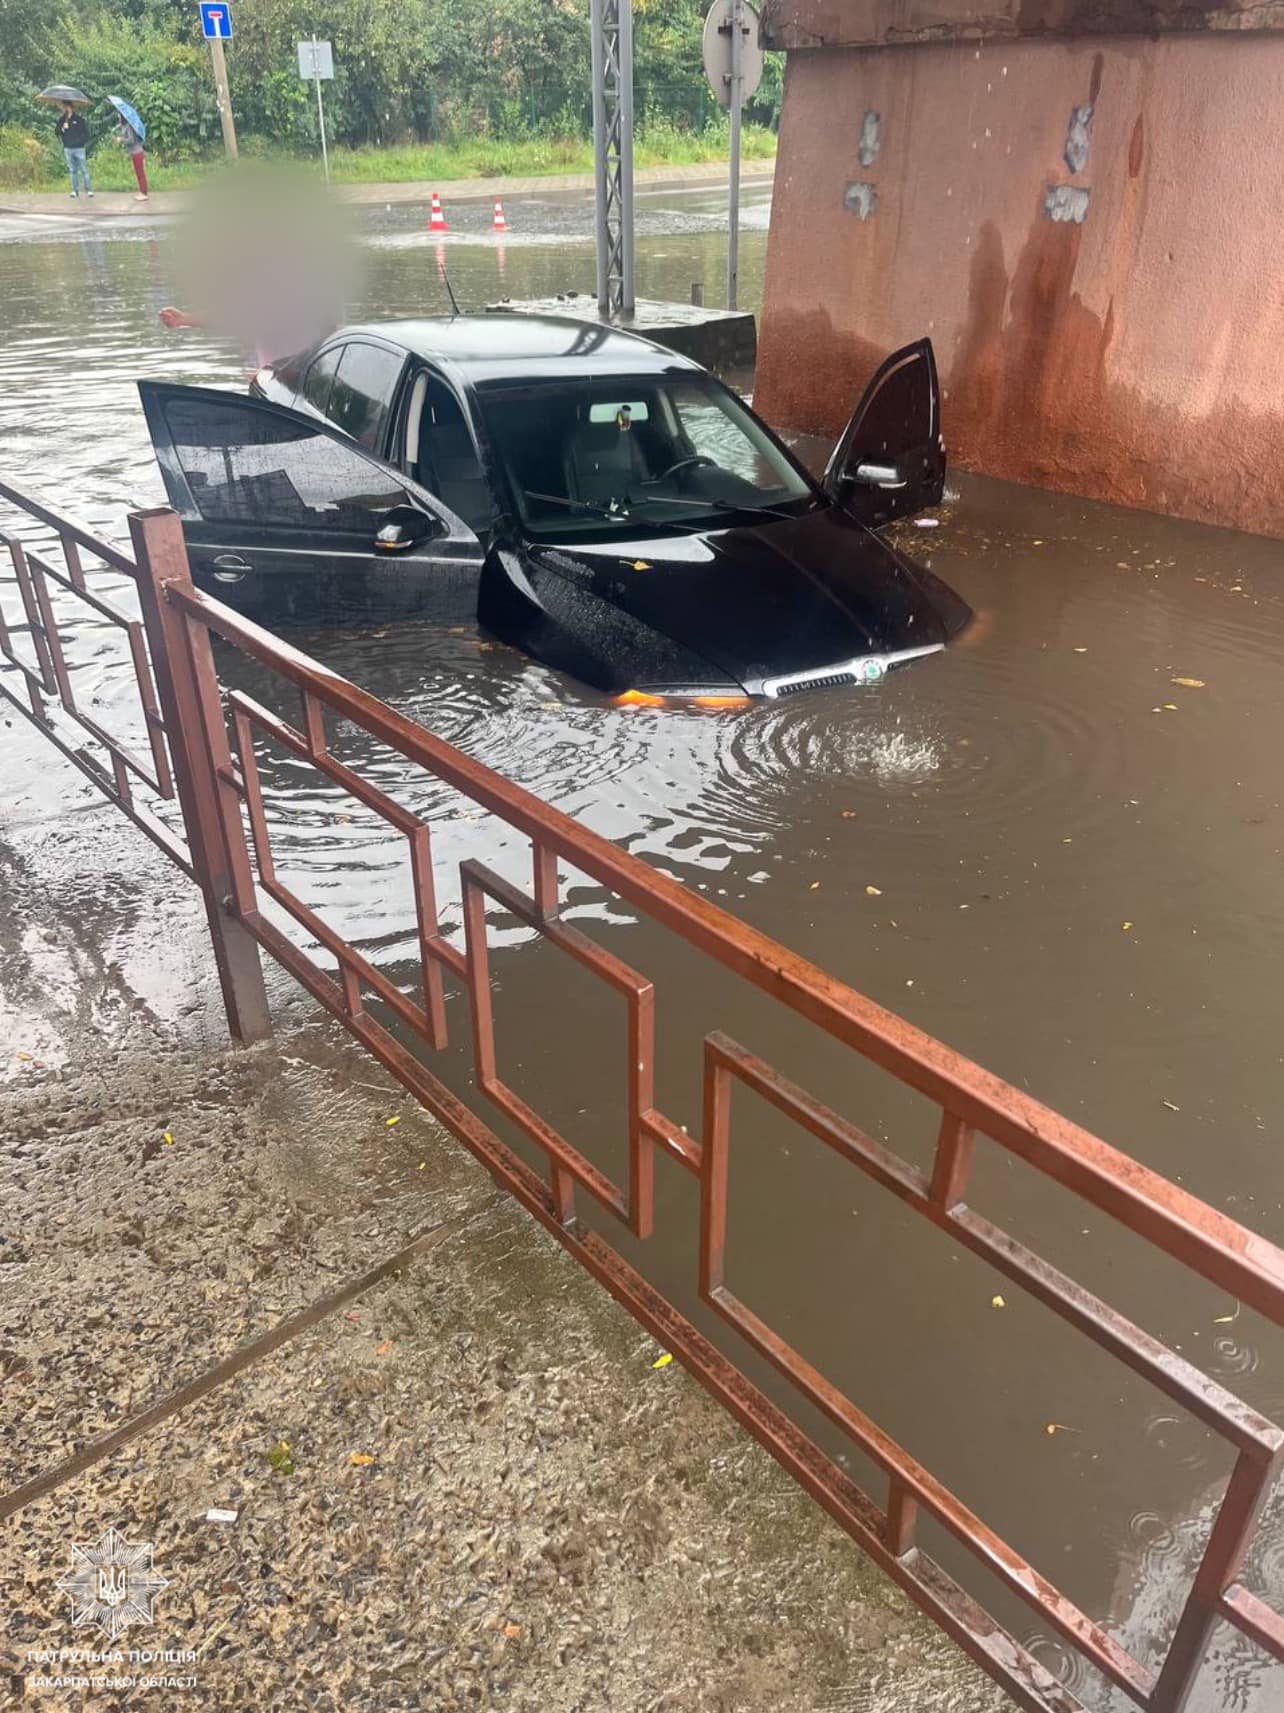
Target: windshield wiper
[[611, 511], [618, 511], [717, 505]]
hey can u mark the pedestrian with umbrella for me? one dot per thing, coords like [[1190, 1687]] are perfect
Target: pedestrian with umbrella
[[73, 133], [131, 134]]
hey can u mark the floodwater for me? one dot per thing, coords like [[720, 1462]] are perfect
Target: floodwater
[[1040, 846]]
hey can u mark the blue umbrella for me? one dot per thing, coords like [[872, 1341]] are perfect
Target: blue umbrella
[[130, 116]]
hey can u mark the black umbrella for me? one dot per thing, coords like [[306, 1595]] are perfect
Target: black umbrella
[[63, 94]]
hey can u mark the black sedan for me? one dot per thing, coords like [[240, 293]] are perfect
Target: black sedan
[[599, 502]]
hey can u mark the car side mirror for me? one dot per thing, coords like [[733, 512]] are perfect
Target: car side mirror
[[401, 529], [879, 475]]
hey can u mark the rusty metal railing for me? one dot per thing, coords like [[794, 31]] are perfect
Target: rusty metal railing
[[51, 702], [220, 792]]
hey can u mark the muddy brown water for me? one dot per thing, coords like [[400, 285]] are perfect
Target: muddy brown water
[[1078, 870]]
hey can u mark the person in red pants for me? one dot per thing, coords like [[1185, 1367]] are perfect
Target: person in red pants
[[132, 144]]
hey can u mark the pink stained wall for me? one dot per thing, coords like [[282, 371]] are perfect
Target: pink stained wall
[[1137, 356]]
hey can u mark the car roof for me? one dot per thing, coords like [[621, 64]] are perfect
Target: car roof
[[504, 345]]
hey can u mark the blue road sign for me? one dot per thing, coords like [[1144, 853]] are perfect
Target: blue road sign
[[216, 20]]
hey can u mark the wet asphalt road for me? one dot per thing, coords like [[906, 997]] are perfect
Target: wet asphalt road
[[1077, 863]]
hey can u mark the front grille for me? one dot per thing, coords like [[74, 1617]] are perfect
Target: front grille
[[823, 681]]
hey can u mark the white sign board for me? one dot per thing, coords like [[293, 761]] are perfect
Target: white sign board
[[316, 60]]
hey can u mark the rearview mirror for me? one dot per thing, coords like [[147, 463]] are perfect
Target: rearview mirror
[[401, 529]]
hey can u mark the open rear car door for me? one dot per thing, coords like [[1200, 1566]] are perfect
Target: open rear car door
[[890, 462], [283, 511]]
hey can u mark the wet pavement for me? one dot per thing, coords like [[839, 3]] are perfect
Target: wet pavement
[[1041, 847], [489, 1495]]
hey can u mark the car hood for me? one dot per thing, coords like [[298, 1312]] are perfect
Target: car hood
[[772, 599]]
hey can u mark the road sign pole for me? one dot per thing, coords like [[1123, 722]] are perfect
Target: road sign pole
[[224, 99], [731, 48], [733, 205], [325, 157]]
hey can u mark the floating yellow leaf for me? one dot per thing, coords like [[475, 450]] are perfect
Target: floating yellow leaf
[[1170, 707], [997, 1302], [396, 1119], [168, 1138], [362, 1459], [21, 1055], [873, 892], [641, 564], [1124, 927], [662, 1361], [1189, 683], [1081, 651], [421, 1165], [815, 885]]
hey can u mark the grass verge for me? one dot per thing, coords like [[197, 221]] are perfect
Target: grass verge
[[28, 162]]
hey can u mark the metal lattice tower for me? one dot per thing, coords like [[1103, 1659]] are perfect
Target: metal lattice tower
[[612, 36]]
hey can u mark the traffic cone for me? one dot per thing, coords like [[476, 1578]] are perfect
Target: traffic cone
[[436, 218], [499, 224]]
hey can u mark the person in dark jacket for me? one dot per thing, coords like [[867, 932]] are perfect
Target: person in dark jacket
[[73, 134]]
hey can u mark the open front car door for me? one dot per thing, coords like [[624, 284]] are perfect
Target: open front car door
[[282, 511], [890, 461]]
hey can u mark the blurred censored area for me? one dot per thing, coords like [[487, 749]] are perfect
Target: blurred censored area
[[268, 258]]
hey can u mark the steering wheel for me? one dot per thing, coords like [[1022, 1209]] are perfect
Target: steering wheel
[[682, 464]]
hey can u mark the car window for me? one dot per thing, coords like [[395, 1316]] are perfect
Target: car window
[[599, 456], [363, 389], [245, 464], [712, 434], [319, 378]]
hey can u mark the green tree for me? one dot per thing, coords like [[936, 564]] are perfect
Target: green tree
[[381, 69], [420, 70]]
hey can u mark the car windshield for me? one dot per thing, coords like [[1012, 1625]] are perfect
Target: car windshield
[[635, 453]]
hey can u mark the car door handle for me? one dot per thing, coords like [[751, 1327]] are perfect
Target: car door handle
[[231, 568]]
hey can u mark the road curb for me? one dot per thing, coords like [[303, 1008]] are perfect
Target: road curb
[[108, 204]]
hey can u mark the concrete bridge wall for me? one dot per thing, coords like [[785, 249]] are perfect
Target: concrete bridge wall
[[1090, 226]]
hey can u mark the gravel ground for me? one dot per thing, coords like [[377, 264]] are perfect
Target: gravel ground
[[470, 1488]]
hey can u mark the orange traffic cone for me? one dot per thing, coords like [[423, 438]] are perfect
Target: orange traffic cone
[[499, 224], [436, 218]]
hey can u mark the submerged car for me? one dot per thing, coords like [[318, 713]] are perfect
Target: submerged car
[[599, 502]]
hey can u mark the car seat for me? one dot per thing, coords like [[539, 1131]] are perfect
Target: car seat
[[602, 462], [460, 481], [447, 462]]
